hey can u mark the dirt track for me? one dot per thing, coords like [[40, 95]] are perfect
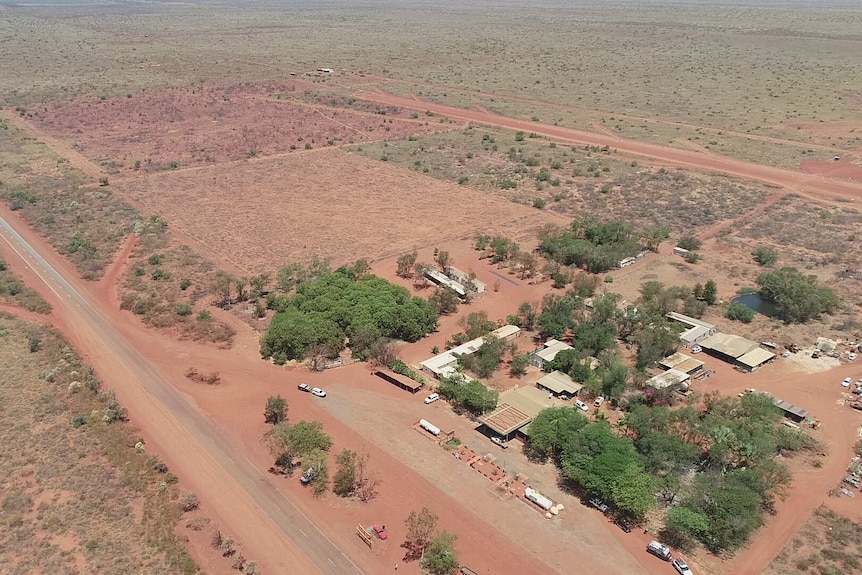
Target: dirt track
[[806, 184]]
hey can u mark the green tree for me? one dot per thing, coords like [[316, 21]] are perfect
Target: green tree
[[798, 298], [477, 324], [525, 318], [655, 235], [519, 365], [445, 300], [710, 293], [421, 529], [655, 340], [485, 361], [554, 428], [739, 312], [344, 482], [276, 410], [632, 492], [440, 557], [316, 460], [765, 256], [444, 260], [405, 265]]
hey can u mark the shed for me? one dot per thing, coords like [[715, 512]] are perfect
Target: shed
[[546, 354], [793, 412], [755, 358], [681, 362], [507, 332], [696, 330], [401, 381], [559, 383], [668, 378], [729, 346], [516, 408]]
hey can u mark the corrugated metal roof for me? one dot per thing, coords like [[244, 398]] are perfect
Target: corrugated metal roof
[[755, 357], [731, 345], [559, 382]]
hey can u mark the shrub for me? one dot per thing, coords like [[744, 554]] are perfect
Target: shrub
[[189, 502], [689, 243], [739, 312], [765, 256]]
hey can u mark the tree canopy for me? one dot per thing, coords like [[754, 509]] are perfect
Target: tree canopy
[[797, 297], [337, 306]]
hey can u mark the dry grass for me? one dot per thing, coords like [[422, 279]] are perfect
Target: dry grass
[[761, 69], [168, 285], [828, 544], [203, 125], [573, 180], [13, 290], [265, 213], [77, 497], [84, 223]]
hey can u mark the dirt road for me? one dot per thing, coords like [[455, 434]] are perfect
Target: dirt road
[[274, 532], [807, 184]]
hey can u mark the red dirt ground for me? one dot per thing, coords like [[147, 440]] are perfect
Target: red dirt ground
[[849, 167], [328, 203], [212, 124], [236, 406], [800, 183]]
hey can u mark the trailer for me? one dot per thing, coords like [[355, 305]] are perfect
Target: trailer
[[538, 498]]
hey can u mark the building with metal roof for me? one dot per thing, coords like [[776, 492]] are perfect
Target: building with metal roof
[[444, 364], [696, 330], [546, 354], [728, 345], [516, 408], [755, 358], [668, 378], [559, 383], [681, 362]]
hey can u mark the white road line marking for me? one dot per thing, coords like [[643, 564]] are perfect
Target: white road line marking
[[331, 561], [303, 532]]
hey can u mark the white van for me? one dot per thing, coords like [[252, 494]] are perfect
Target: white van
[[432, 398]]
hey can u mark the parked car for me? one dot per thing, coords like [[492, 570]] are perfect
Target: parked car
[[659, 550], [681, 567], [851, 356], [432, 398], [500, 441], [599, 401], [565, 397], [624, 523], [318, 392], [599, 504], [581, 405], [696, 349], [307, 477], [846, 382], [304, 387]]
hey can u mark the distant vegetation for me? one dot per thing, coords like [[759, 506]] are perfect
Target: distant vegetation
[[324, 313], [14, 291]]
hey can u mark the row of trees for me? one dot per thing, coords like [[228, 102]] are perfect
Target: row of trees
[[340, 306]]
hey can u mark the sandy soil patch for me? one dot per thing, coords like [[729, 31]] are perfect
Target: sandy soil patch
[[262, 214]]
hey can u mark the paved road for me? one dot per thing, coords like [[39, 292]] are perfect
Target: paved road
[[262, 498]]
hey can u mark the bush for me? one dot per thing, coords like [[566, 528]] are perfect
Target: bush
[[797, 297], [691, 257], [765, 256], [739, 312], [539, 203], [189, 502], [689, 243]]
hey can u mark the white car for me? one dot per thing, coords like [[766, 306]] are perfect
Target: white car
[[318, 392], [432, 398], [599, 401], [681, 567], [581, 405], [846, 382], [696, 349], [851, 356]]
